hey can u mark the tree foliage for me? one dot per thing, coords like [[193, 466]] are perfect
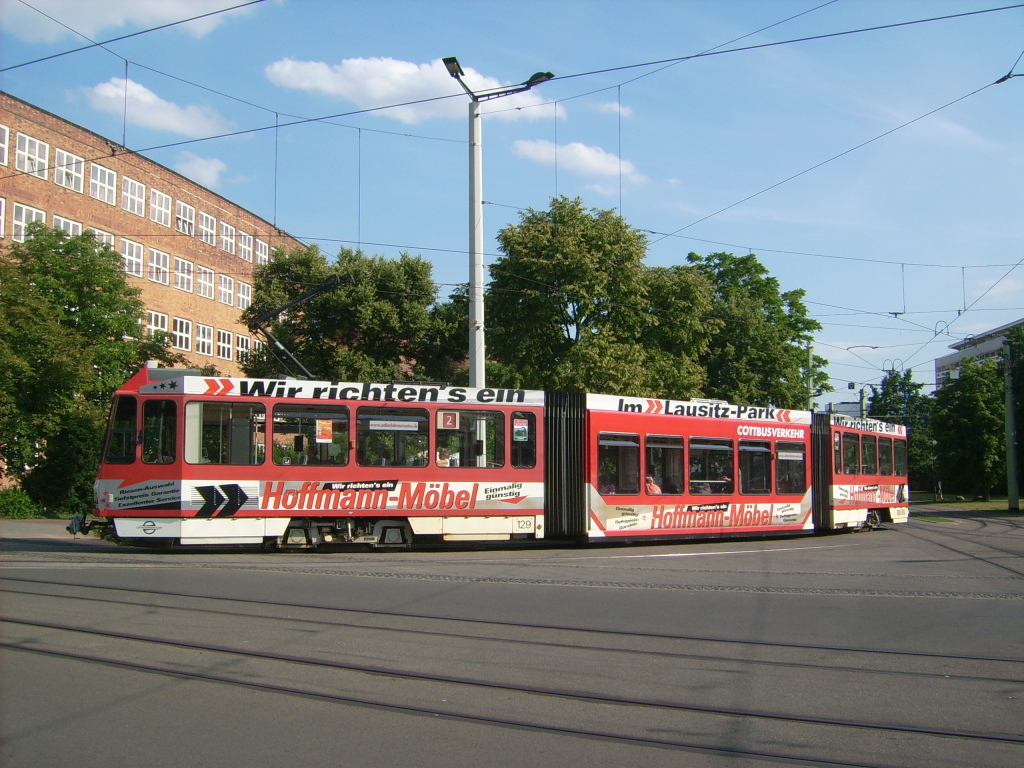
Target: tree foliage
[[968, 425], [375, 326], [570, 308], [69, 336], [759, 354]]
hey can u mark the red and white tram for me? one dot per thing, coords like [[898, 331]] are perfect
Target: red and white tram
[[295, 463]]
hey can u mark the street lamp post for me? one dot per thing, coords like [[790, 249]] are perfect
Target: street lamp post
[[477, 345]]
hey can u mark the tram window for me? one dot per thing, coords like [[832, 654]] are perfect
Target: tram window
[[790, 468], [885, 455], [851, 453], [225, 433], [868, 455], [524, 440], [755, 466], [663, 463], [313, 434], [900, 452], [123, 428], [159, 431], [618, 464], [470, 439], [392, 437], [837, 452], [711, 466]]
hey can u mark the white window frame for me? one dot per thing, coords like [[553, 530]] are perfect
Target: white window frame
[[131, 257], [159, 267], [225, 344], [157, 321], [133, 196], [226, 290], [244, 295], [204, 339], [103, 237], [227, 237], [5, 137], [3, 215], [262, 252], [207, 229], [183, 274], [181, 334], [205, 282], [241, 347], [23, 215], [68, 170], [68, 226], [32, 156], [245, 246], [159, 207], [102, 183], [185, 218]]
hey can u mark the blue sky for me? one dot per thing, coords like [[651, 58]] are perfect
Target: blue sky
[[881, 171]]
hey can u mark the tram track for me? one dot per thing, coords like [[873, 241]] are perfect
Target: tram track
[[574, 698]]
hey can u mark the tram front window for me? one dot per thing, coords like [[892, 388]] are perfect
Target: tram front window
[[121, 442], [159, 431]]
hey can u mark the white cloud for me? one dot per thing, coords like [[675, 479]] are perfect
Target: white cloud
[[147, 109], [578, 158], [203, 170], [613, 108], [111, 17], [379, 82]]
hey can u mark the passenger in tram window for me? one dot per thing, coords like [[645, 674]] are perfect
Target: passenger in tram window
[[443, 459], [385, 458], [650, 486], [725, 483]]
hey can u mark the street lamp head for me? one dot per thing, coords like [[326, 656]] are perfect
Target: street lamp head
[[539, 77], [452, 65]]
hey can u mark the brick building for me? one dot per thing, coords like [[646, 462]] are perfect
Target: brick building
[[190, 251]]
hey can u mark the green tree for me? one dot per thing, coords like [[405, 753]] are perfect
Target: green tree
[[375, 326], [69, 336], [759, 354], [969, 429], [898, 400], [572, 307]]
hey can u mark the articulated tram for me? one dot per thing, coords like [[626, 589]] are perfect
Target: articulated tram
[[289, 463]]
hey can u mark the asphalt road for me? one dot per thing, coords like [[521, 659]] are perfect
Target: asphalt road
[[900, 647]]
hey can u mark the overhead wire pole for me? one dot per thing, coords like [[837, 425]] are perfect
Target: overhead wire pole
[[477, 343]]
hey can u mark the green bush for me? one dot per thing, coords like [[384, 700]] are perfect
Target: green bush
[[15, 503]]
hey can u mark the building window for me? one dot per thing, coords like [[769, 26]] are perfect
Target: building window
[[133, 196], [245, 246], [207, 228], [159, 267], [242, 348], [204, 339], [204, 282], [159, 207], [262, 252], [104, 238], [226, 290], [185, 218], [102, 183], [181, 336], [224, 343], [68, 170], [23, 216], [3, 216], [4, 136], [244, 295], [182, 274], [131, 253], [67, 225], [227, 237], [157, 323], [31, 156]]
